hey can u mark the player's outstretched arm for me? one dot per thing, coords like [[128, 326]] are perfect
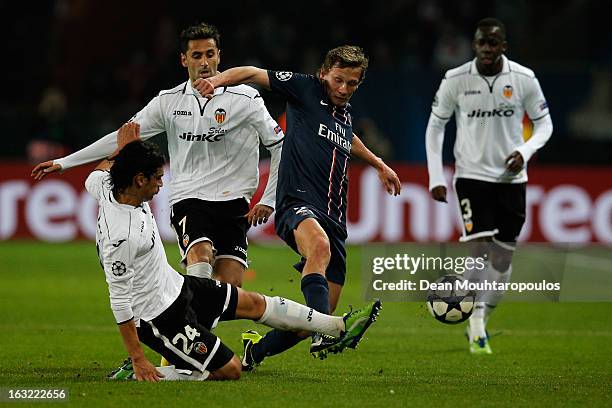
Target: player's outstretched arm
[[143, 369], [95, 151], [385, 173], [127, 133], [233, 76], [44, 168]]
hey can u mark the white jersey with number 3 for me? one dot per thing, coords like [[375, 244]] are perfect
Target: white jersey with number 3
[[489, 114], [141, 283]]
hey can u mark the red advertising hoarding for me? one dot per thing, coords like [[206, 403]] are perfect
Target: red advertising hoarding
[[565, 204]]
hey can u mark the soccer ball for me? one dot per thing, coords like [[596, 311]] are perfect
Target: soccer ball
[[450, 304]]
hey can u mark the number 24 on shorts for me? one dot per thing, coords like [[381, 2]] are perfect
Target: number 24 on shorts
[[187, 340]]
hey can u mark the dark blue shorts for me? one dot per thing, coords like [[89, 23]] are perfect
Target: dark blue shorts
[[292, 214]]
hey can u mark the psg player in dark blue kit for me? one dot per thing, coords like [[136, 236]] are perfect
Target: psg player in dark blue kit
[[311, 194]]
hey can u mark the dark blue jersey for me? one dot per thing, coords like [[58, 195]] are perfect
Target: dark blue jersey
[[317, 146]]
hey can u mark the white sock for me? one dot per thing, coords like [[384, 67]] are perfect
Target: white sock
[[492, 298], [200, 270], [477, 325], [286, 314]]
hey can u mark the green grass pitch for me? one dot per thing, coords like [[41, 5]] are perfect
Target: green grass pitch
[[57, 331]]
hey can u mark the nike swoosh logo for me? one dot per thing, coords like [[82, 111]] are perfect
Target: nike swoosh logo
[[121, 241], [324, 104]]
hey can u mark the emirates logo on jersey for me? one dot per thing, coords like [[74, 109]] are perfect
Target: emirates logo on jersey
[[220, 115], [508, 91]]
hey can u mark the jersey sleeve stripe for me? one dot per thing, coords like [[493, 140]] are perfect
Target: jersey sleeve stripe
[[241, 94], [541, 117], [439, 117], [275, 143], [125, 321]]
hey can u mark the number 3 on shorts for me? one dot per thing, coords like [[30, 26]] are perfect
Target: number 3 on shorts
[[467, 209], [180, 337]]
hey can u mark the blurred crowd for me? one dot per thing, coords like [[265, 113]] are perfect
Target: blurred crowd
[[86, 66]]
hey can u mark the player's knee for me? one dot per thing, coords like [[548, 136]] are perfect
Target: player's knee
[[258, 303], [229, 271], [501, 264], [234, 370], [200, 252], [501, 258], [232, 280], [251, 305], [230, 371], [319, 250], [480, 247]]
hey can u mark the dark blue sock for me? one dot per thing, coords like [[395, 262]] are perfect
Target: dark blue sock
[[274, 342], [316, 292]]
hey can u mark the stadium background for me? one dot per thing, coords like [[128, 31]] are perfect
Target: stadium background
[[81, 68]]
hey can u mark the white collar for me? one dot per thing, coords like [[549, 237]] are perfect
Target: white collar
[[505, 66], [190, 91]]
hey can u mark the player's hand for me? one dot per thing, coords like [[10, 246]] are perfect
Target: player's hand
[[438, 193], [390, 180], [515, 162], [127, 133], [204, 87], [42, 169], [145, 371], [259, 214]]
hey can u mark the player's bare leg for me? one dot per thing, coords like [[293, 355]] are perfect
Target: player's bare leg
[[334, 295], [229, 270], [313, 244], [230, 371]]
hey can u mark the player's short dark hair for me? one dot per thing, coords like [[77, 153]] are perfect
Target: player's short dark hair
[[346, 56], [490, 22], [135, 158], [201, 31]]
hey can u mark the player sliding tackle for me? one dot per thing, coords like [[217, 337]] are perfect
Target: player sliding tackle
[[171, 313]]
